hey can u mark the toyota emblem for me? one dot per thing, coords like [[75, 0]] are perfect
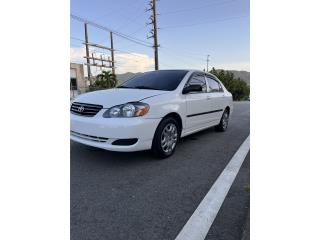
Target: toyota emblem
[[81, 109]]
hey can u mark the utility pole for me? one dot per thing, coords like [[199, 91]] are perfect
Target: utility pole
[[154, 31], [87, 52], [112, 53], [208, 62]]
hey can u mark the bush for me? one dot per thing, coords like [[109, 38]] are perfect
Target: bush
[[239, 88], [105, 80]]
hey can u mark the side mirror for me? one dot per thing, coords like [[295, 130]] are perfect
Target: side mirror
[[192, 88]]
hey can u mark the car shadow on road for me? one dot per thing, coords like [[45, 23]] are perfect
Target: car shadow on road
[[82, 152], [198, 135]]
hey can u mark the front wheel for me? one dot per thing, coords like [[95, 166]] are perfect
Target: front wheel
[[223, 125], [166, 138]]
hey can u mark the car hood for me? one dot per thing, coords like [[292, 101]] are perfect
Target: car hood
[[111, 97]]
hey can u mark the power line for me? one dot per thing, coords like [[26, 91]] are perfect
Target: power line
[[133, 54], [129, 20], [101, 51], [76, 45], [197, 8], [119, 8], [177, 56], [77, 39], [125, 36], [130, 38], [137, 30], [132, 44], [186, 53], [206, 22]]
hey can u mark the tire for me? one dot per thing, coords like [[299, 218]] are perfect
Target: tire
[[166, 138], [223, 125]]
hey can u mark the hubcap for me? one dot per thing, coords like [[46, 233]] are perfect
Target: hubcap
[[225, 119], [169, 137]]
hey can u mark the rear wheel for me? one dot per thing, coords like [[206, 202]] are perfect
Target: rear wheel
[[223, 125], [166, 138]]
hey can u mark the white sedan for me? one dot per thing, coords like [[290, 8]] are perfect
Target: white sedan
[[151, 111]]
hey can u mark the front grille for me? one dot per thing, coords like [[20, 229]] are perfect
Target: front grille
[[85, 109], [88, 137]]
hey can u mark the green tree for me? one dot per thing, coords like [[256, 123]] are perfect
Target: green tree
[[105, 80], [239, 88]]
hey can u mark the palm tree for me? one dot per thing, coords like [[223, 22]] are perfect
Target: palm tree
[[106, 79]]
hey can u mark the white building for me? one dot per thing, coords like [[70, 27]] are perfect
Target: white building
[[78, 83]]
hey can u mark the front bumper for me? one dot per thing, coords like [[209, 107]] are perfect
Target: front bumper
[[102, 132]]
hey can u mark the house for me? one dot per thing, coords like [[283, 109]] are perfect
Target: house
[[78, 82]]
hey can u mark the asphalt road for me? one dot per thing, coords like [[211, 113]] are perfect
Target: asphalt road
[[134, 196]]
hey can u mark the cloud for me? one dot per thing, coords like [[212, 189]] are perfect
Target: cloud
[[125, 62], [134, 62], [77, 54]]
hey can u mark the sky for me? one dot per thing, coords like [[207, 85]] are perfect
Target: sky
[[188, 32]]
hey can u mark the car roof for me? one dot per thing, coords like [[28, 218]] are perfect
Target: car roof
[[188, 70], [178, 69]]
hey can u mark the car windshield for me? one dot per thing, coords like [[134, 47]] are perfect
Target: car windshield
[[165, 80]]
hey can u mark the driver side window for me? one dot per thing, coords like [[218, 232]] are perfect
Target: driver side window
[[198, 79]]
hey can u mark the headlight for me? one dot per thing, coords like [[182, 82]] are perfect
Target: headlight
[[134, 109]]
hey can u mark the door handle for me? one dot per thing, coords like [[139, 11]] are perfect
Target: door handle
[[208, 98]]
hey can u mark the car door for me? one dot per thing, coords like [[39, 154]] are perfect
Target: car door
[[198, 106], [216, 95]]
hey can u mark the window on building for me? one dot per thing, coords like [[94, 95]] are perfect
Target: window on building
[[73, 84], [73, 79]]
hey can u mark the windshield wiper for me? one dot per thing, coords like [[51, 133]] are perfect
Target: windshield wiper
[[145, 87], [124, 87]]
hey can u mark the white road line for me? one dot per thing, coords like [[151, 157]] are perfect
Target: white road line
[[201, 220]]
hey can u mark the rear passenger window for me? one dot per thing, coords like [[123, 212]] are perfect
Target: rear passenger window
[[198, 79], [214, 86]]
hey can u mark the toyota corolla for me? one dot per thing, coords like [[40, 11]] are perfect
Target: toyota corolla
[[152, 110]]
